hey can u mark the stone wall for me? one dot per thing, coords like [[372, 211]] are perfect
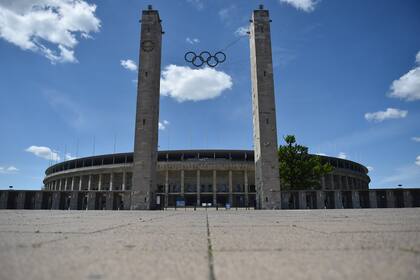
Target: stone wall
[[120, 200]]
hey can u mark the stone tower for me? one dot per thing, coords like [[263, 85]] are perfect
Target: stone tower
[[147, 112], [267, 179]]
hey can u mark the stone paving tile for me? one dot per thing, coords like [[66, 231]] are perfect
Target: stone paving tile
[[317, 264], [323, 244]]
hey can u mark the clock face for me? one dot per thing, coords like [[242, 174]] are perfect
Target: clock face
[[147, 46]]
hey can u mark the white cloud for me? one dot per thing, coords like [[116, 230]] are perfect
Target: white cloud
[[342, 155], [187, 84], [163, 124], [408, 86], [370, 168], [192, 41], [242, 31], [43, 152], [198, 4], [418, 160], [48, 27], [68, 156], [129, 64], [304, 5], [415, 139], [321, 154], [8, 170], [390, 113]]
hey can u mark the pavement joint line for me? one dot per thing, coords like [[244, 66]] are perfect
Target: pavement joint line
[[258, 250], [210, 251]]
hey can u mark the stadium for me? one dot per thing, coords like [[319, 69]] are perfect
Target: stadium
[[193, 177]]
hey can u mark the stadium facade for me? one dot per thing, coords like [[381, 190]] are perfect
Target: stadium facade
[[148, 179]]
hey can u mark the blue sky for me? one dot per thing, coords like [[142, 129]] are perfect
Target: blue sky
[[347, 81]]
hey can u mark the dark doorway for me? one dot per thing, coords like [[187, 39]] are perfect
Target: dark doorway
[[399, 198], [329, 200], [118, 202], [12, 200], [311, 200], [346, 199], [364, 199], [238, 200], [29, 200], [190, 200], [46, 200]]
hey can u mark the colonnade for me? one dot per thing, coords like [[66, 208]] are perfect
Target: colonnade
[[206, 186], [92, 182]]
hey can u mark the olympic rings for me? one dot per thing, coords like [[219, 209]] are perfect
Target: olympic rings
[[205, 57]]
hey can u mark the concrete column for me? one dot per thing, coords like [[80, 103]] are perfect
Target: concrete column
[[348, 183], [60, 184], [267, 178], [74, 200], [323, 182], [100, 182], [72, 183], [127, 201], [390, 199], [3, 199], [198, 188], [230, 188], [80, 182], [332, 181], [38, 200], [408, 198], [91, 200], [373, 199], [111, 179], [55, 201], [302, 199], [20, 203], [65, 183], [110, 201], [124, 181], [182, 183], [246, 188], [147, 112], [89, 182], [166, 187], [355, 199], [214, 187], [338, 202], [320, 199]]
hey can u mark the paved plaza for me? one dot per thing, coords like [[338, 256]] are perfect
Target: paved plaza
[[224, 244]]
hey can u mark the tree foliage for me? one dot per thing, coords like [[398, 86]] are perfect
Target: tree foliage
[[298, 169]]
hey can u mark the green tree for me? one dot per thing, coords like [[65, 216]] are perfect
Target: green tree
[[298, 169]]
